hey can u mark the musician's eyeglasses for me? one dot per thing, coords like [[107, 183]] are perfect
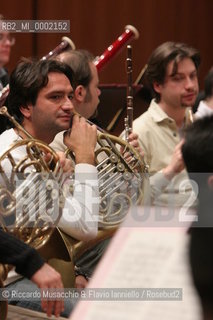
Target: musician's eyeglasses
[[7, 37]]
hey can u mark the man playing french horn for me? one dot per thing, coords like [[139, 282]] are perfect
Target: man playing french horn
[[40, 100], [86, 100]]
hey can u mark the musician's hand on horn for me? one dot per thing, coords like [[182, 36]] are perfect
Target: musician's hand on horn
[[81, 139], [133, 140], [66, 164]]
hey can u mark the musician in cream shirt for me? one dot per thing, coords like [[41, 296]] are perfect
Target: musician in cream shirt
[[172, 75], [40, 99]]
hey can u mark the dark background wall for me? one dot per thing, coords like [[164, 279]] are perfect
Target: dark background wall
[[97, 23]]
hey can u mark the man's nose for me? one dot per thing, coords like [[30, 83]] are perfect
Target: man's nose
[[67, 104], [189, 83]]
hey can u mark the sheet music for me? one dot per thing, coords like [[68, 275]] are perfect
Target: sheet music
[[144, 258]]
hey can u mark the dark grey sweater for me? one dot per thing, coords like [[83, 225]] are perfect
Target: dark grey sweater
[[13, 251]]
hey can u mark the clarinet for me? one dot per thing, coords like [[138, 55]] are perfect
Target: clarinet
[[128, 121]]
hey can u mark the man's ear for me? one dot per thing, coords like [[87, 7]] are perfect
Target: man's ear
[[26, 111], [80, 93], [210, 182], [157, 87]]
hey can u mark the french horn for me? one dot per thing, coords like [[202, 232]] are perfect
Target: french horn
[[121, 178], [121, 173], [122, 170], [31, 195], [189, 117]]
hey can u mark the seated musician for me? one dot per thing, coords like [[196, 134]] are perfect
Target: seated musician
[[172, 75], [40, 99], [85, 100]]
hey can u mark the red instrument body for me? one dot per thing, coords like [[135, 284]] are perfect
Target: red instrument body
[[65, 44], [126, 37]]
